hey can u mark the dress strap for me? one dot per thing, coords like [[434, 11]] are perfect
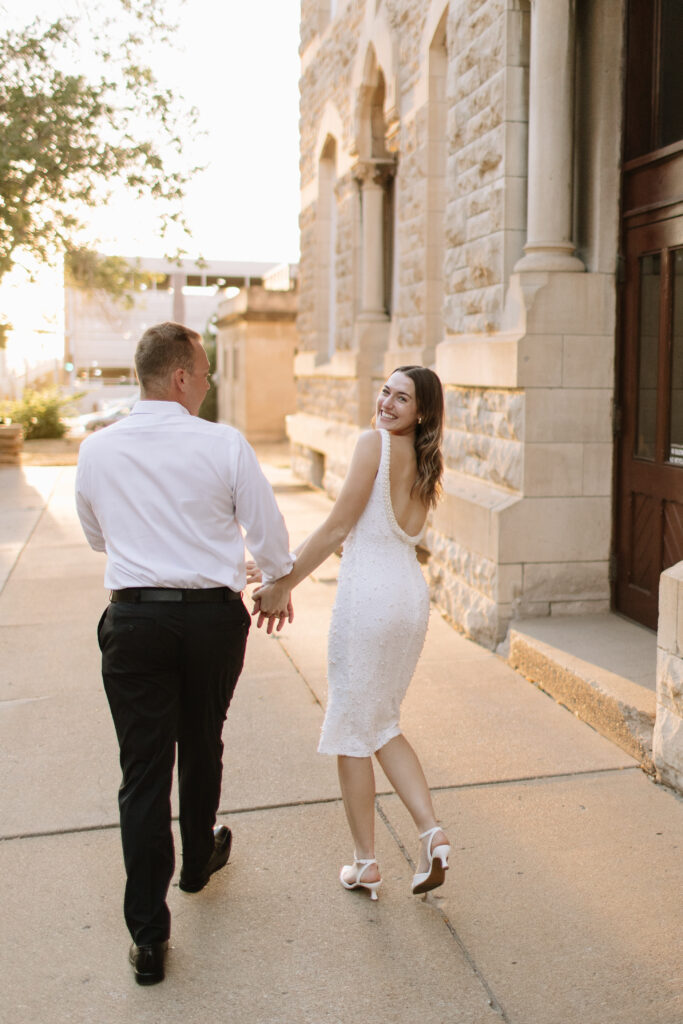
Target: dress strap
[[385, 457]]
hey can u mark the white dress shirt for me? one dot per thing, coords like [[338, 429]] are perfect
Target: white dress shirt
[[166, 496]]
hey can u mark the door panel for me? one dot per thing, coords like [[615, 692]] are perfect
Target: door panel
[[650, 447], [673, 534], [649, 424]]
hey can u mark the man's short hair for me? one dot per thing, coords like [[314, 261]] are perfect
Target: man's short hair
[[161, 350]]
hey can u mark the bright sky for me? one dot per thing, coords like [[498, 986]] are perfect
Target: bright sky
[[240, 68]]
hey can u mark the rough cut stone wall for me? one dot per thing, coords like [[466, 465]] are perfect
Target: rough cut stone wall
[[484, 434], [478, 138], [486, 52], [520, 458], [333, 398], [347, 214], [310, 21], [409, 303], [407, 18], [328, 78]]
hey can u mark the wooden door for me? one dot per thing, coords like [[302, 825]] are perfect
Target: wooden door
[[649, 448], [650, 503]]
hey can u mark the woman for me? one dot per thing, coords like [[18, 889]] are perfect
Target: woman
[[380, 616]]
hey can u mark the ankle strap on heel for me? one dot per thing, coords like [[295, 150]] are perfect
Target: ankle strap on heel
[[431, 832]]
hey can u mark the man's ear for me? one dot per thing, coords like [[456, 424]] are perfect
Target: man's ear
[[179, 378]]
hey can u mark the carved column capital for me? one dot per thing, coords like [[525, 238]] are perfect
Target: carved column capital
[[375, 171]]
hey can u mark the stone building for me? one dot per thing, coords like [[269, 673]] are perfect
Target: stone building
[[101, 334], [495, 188]]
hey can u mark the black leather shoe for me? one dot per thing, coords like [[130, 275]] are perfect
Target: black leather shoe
[[148, 962], [222, 842]]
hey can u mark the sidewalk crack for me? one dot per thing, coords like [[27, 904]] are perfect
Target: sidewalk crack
[[467, 956]]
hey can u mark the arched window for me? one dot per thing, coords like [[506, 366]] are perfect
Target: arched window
[[375, 174]]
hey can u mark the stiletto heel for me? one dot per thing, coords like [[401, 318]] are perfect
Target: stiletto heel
[[360, 866], [438, 864]]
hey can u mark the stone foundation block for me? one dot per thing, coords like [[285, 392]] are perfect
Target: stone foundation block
[[566, 582], [670, 681], [667, 744], [616, 707], [668, 737]]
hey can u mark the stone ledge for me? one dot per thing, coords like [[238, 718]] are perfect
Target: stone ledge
[[332, 439], [618, 708]]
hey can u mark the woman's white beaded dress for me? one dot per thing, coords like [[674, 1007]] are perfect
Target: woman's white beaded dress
[[378, 627]]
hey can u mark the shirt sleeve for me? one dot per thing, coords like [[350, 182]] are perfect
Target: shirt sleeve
[[259, 516], [88, 519]]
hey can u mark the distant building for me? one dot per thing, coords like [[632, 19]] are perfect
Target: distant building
[[101, 335], [256, 344]]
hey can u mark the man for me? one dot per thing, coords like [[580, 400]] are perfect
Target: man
[[164, 494]]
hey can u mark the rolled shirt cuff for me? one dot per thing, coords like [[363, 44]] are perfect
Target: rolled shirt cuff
[[270, 579]]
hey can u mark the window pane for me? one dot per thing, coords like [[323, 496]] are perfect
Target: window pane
[[676, 395], [647, 356]]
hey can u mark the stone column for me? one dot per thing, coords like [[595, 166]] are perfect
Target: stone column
[[551, 122], [372, 176]]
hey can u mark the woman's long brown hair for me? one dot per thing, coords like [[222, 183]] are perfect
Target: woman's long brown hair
[[428, 432]]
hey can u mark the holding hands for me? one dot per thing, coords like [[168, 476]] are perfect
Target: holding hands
[[272, 601]]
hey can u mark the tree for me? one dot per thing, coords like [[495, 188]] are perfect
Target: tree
[[113, 275], [67, 138], [209, 407]]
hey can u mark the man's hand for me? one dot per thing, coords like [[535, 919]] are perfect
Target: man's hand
[[254, 574]]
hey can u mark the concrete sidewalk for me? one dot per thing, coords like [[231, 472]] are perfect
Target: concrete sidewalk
[[562, 905]]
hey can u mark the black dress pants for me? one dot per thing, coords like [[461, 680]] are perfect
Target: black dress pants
[[169, 672]]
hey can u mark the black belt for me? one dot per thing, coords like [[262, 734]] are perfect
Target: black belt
[[135, 595]]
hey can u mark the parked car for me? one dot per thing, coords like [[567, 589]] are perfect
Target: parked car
[[109, 416], [110, 413]]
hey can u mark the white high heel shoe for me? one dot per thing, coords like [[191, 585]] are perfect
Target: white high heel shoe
[[360, 866], [423, 881]]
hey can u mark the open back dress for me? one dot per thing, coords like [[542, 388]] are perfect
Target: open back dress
[[378, 627]]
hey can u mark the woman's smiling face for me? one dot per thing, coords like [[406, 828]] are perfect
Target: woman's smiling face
[[396, 409]]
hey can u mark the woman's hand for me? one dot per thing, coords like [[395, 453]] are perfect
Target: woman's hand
[[273, 601]]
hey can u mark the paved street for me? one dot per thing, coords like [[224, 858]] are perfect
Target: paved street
[[562, 905]]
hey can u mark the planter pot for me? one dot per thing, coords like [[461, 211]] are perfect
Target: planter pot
[[11, 443]]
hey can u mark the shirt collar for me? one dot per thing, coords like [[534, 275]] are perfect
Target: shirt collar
[[158, 408]]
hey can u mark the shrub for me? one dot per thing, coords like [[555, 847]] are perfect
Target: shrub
[[209, 407], [39, 413]]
